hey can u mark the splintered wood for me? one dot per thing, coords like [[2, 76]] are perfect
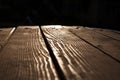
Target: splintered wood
[[81, 53]]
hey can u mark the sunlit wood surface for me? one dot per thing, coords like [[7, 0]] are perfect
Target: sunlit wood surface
[[25, 57], [59, 53], [5, 33]]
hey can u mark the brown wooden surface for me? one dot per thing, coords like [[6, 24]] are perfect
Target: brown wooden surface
[[5, 33], [109, 33], [107, 44], [64, 53], [78, 59], [25, 57]]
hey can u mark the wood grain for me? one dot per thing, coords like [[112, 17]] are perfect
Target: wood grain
[[110, 33], [79, 60], [105, 43], [25, 57], [5, 34]]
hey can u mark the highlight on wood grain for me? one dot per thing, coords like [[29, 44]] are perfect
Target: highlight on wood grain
[[56, 52], [53, 26], [5, 34], [25, 57], [78, 59]]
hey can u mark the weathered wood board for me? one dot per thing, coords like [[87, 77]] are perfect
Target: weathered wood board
[[25, 57], [59, 53], [109, 45], [78, 59], [110, 33], [5, 34]]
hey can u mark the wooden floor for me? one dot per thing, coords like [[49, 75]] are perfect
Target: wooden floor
[[59, 53]]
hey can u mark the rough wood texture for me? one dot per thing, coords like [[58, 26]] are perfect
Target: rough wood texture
[[59, 53], [25, 57], [78, 59], [5, 33], [110, 33], [107, 44]]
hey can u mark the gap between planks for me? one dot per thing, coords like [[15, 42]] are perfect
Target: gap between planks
[[25, 57], [78, 59], [105, 44]]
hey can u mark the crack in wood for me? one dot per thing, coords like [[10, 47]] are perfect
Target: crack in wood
[[55, 62]]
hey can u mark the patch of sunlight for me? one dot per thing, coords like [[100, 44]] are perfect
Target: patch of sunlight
[[53, 26]]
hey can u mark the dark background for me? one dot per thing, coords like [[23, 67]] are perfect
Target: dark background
[[93, 13]]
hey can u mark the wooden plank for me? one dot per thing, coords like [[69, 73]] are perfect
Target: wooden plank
[[79, 60], [106, 44], [110, 33], [25, 57], [5, 33]]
